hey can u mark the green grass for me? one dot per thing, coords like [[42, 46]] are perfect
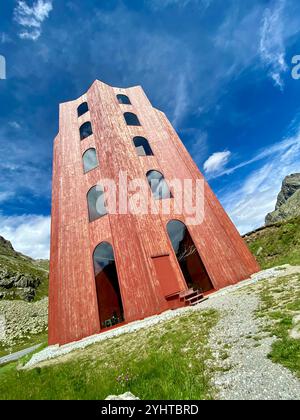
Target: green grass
[[279, 309], [167, 361], [277, 245]]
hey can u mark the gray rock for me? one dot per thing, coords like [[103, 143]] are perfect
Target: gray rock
[[290, 185], [25, 281], [7, 283], [17, 285], [288, 201], [27, 294], [124, 397]]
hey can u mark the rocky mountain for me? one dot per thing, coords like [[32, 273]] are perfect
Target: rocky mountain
[[288, 201], [21, 277]]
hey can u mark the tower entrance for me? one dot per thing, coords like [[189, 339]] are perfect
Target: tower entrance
[[188, 257], [109, 298]]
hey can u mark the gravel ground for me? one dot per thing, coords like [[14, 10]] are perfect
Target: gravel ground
[[251, 375], [246, 373]]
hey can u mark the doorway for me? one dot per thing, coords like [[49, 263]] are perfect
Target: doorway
[[107, 286], [188, 257]]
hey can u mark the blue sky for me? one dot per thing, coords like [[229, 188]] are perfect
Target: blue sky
[[221, 70]]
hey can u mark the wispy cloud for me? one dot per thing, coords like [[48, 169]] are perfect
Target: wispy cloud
[[272, 49], [216, 162], [285, 147], [181, 100], [25, 164], [249, 202], [5, 38], [32, 18], [29, 234], [159, 4]]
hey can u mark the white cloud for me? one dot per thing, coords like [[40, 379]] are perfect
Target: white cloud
[[285, 147], [272, 49], [249, 202], [31, 18], [181, 100], [15, 125], [199, 147], [29, 234], [25, 164], [5, 195], [216, 162]]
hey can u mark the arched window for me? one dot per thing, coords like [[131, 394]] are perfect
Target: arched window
[[142, 146], [82, 109], [131, 119], [123, 99], [188, 257], [158, 185], [85, 130], [90, 160], [107, 284], [96, 203]]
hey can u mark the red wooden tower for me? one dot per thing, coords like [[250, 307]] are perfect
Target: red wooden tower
[[109, 267]]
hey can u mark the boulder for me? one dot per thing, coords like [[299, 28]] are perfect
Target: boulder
[[124, 397]]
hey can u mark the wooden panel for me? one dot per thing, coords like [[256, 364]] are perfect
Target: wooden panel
[[166, 275]]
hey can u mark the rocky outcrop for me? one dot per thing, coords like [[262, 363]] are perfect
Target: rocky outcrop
[[21, 277], [4, 243], [18, 285], [288, 201]]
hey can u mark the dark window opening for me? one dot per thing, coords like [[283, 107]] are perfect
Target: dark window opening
[[142, 146], [107, 285], [90, 160], [82, 109], [188, 257], [86, 130], [123, 99], [131, 119], [96, 203], [158, 185]]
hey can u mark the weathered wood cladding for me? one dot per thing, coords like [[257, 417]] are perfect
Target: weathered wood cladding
[[136, 240]]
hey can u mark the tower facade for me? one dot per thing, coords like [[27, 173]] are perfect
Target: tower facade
[[116, 254]]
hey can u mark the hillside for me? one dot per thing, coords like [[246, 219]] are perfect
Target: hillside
[[276, 244], [21, 277]]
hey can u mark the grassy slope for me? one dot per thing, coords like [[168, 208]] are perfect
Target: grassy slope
[[16, 262], [277, 245], [280, 304], [167, 361]]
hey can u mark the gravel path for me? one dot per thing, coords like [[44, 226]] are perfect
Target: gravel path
[[16, 356], [249, 374]]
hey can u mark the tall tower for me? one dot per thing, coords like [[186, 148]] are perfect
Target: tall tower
[[108, 267]]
